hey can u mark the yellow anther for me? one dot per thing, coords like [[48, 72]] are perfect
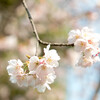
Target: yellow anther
[[77, 36], [28, 56]]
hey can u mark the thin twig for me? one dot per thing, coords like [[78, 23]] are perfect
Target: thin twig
[[35, 31], [36, 52]]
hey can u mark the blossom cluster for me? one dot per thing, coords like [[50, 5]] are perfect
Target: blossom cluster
[[87, 43], [37, 72]]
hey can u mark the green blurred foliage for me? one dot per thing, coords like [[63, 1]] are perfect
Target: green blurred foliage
[[5, 4]]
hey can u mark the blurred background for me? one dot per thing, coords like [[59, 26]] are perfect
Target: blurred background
[[53, 20]]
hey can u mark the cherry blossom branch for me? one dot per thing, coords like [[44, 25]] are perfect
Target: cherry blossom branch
[[35, 31]]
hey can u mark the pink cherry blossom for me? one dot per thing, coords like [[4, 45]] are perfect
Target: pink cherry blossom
[[33, 63], [43, 71], [87, 43], [51, 57], [85, 62], [14, 67], [80, 45], [38, 72], [73, 35]]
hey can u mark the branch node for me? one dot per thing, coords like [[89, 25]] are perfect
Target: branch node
[[35, 31]]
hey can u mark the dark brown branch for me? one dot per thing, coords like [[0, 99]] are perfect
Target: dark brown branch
[[35, 31]]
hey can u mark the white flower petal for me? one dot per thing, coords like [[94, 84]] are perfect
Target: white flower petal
[[41, 88], [34, 61], [13, 79], [80, 45]]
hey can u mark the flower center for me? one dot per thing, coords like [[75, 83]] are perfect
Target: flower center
[[77, 36], [82, 44], [17, 67], [90, 42], [49, 60], [43, 67]]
